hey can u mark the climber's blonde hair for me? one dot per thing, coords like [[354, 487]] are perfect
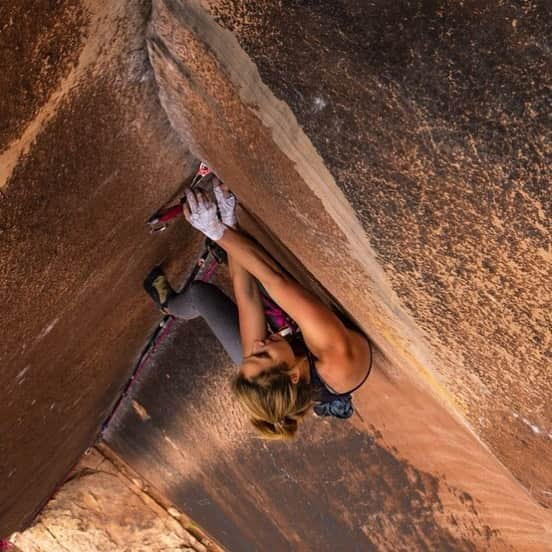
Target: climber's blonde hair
[[274, 403]]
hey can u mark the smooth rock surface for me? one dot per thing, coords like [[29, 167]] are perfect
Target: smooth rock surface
[[85, 159]]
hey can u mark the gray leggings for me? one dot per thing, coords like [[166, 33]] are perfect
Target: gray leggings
[[218, 310]]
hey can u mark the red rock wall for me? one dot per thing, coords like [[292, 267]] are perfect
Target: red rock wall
[[399, 151], [100, 508], [404, 150], [402, 474], [86, 156]]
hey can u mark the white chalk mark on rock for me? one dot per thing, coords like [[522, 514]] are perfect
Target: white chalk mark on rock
[[172, 443], [319, 103], [533, 427], [45, 331], [23, 372]]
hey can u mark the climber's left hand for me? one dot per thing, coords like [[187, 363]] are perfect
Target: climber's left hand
[[226, 202]]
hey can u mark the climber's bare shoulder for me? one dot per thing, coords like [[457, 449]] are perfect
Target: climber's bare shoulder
[[345, 367]]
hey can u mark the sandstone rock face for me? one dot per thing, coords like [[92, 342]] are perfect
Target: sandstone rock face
[[402, 474], [86, 156], [401, 155], [99, 510], [405, 150]]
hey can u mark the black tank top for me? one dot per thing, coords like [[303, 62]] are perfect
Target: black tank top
[[322, 391]]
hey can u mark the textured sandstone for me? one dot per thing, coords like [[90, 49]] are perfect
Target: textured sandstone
[[89, 159], [399, 151], [98, 509], [404, 475], [410, 175]]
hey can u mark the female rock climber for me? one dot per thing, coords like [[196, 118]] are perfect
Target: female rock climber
[[279, 380]]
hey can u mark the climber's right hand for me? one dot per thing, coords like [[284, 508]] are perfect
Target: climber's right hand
[[202, 214]]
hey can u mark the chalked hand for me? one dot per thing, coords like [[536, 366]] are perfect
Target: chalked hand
[[202, 214], [226, 202]]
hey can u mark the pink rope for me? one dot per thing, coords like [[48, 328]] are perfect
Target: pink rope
[[158, 339], [209, 272]]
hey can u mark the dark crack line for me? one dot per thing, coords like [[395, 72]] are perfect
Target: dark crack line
[[56, 539]]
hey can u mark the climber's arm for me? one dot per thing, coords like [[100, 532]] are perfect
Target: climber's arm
[[250, 307], [324, 333]]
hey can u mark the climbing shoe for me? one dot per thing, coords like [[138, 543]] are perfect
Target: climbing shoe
[[158, 288]]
